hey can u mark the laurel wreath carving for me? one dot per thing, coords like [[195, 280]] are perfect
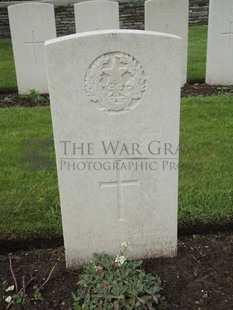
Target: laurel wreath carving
[[115, 96]]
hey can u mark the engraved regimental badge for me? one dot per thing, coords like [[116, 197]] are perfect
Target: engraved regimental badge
[[115, 82]]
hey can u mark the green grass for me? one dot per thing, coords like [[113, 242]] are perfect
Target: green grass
[[206, 175], [29, 201], [7, 67], [196, 60], [197, 53]]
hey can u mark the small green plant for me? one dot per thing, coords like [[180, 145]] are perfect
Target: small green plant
[[35, 97], [19, 298], [108, 283], [8, 100], [224, 89], [38, 296]]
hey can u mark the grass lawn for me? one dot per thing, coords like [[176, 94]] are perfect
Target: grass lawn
[[197, 53], [196, 60], [7, 66], [206, 175], [29, 201]]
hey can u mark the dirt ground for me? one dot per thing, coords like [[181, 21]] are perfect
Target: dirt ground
[[199, 278], [11, 98]]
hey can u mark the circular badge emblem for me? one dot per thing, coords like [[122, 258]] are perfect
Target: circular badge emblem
[[115, 82]]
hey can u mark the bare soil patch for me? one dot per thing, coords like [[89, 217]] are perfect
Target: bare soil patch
[[199, 278]]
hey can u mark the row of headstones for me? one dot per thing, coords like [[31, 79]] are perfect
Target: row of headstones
[[33, 23]]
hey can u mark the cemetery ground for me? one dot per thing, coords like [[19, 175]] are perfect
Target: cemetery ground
[[200, 277]]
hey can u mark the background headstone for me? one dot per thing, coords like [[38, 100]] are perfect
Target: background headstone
[[219, 64], [31, 25], [96, 15], [170, 16], [114, 90]]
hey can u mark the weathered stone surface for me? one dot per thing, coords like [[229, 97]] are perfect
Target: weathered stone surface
[[31, 25], [170, 16], [108, 87], [96, 15], [219, 65]]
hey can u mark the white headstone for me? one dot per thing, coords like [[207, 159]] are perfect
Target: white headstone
[[96, 15], [31, 25], [118, 89], [170, 16], [219, 65]]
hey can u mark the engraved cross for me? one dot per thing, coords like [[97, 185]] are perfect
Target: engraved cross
[[34, 43], [119, 184], [230, 35]]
